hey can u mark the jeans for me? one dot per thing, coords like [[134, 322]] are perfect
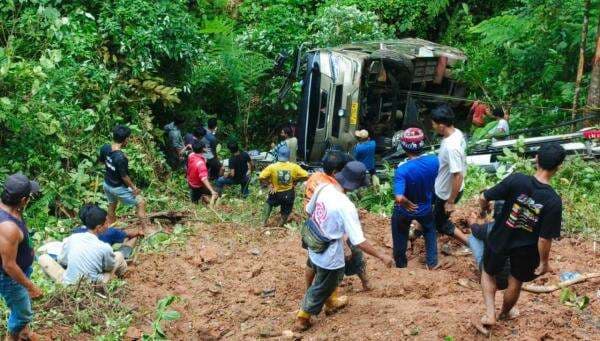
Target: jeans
[[400, 229], [477, 246], [223, 181], [324, 284], [17, 300]]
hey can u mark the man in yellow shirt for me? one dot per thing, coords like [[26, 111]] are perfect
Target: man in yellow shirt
[[281, 178]]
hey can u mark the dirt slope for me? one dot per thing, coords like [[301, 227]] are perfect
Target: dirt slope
[[240, 283]]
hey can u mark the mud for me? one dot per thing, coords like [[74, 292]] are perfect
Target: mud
[[240, 282]]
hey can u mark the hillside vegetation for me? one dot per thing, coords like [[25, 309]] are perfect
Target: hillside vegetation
[[71, 70]]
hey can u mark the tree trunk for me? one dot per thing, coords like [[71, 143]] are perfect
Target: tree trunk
[[593, 97], [583, 43]]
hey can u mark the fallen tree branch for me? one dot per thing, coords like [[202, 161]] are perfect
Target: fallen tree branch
[[543, 289], [170, 215]]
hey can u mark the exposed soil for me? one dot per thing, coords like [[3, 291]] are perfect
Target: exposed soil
[[241, 282]]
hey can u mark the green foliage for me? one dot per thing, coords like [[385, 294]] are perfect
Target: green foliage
[[149, 34], [526, 55], [86, 308], [237, 72], [336, 25], [406, 17], [570, 298], [272, 26], [162, 314], [61, 96]]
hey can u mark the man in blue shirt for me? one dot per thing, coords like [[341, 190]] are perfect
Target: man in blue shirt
[[364, 151], [413, 190], [111, 235]]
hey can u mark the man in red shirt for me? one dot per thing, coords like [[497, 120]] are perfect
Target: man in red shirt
[[479, 111], [197, 175]]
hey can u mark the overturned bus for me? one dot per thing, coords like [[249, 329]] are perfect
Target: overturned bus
[[370, 86]]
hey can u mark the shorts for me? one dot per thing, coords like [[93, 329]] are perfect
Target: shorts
[[284, 199], [523, 262], [17, 300], [197, 193], [121, 193]]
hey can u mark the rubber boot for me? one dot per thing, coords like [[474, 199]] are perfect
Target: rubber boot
[[335, 302], [266, 213], [302, 321]]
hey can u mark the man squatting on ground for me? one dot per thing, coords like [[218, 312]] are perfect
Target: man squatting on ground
[[529, 220], [334, 162], [84, 255], [17, 255], [240, 170], [449, 183], [333, 215], [281, 177], [118, 186], [413, 190], [198, 175]]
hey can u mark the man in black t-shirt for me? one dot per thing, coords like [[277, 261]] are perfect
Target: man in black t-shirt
[[523, 233], [117, 185], [240, 167], [214, 165]]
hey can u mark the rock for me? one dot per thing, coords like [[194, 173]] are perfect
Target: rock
[[255, 252], [268, 331], [245, 326], [133, 334], [215, 289], [268, 292], [208, 254], [288, 334]]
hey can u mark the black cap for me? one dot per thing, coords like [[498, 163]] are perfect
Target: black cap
[[18, 186]]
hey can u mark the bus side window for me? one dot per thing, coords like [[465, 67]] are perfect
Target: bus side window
[[323, 110]]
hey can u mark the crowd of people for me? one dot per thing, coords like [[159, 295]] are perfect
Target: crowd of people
[[510, 249]]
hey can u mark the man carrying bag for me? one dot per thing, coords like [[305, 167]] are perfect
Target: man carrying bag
[[332, 215]]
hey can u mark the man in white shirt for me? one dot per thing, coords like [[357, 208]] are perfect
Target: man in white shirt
[[332, 214], [84, 255], [501, 130], [449, 183]]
